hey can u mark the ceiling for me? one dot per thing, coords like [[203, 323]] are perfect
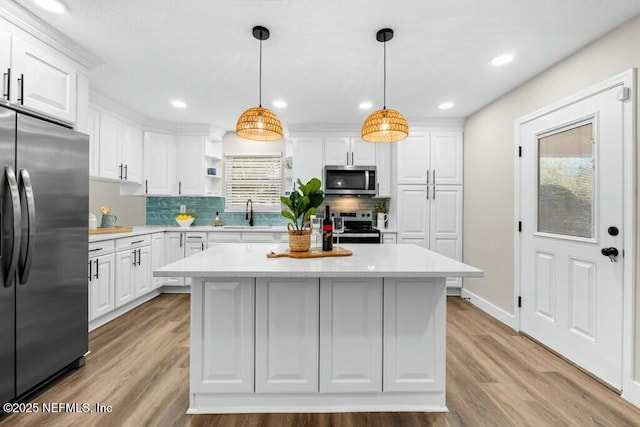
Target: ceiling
[[322, 57]]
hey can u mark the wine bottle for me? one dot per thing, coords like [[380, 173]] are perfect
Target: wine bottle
[[327, 231]]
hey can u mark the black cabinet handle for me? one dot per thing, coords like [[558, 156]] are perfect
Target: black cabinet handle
[[137, 241], [180, 239], [139, 257], [97, 270], [6, 85], [146, 186], [21, 83], [203, 246], [126, 173], [90, 272], [134, 257], [179, 187], [120, 170], [96, 249]]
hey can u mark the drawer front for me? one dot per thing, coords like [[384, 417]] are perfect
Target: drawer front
[[260, 237], [101, 248], [133, 242], [225, 237], [196, 237]]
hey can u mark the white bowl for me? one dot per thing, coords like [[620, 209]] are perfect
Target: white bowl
[[185, 222]]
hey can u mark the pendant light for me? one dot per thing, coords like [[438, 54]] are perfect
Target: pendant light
[[385, 125], [258, 123]]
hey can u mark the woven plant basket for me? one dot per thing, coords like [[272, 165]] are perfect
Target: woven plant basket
[[299, 240]]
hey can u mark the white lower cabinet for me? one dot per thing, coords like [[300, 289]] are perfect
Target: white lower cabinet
[[350, 335], [133, 272], [194, 242], [411, 359], [287, 335], [125, 290], [157, 257], [225, 349], [101, 285], [142, 271], [173, 251]]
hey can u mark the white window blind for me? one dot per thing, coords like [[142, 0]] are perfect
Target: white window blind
[[255, 177]]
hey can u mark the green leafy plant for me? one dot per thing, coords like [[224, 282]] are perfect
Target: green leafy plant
[[302, 203], [381, 207]]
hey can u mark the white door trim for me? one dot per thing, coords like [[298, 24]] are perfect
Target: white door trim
[[626, 79]]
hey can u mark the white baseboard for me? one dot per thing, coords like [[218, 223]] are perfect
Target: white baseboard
[[631, 392], [94, 324], [492, 310], [176, 289]]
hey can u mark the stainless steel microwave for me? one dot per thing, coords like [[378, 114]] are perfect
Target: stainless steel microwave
[[350, 180]]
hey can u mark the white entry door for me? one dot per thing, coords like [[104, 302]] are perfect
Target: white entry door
[[571, 195]]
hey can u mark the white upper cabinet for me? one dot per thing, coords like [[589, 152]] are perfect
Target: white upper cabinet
[[431, 158], [5, 61], [131, 153], [414, 159], [348, 151], [307, 159], [93, 129], [110, 134], [383, 169], [43, 80], [159, 164], [199, 166]]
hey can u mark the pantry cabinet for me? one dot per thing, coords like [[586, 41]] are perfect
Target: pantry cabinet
[[430, 158]]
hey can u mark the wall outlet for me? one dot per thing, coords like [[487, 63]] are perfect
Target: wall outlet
[[183, 208]]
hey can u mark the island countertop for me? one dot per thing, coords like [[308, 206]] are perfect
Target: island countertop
[[250, 260]]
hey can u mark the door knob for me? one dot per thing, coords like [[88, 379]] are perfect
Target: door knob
[[612, 253]]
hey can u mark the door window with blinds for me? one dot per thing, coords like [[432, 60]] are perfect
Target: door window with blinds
[[566, 164], [255, 176]]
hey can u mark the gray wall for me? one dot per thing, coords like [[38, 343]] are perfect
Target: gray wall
[[489, 166], [129, 210]]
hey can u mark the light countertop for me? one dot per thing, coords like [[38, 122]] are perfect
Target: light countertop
[[148, 229], [250, 260]]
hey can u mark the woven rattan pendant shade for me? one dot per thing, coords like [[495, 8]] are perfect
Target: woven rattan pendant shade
[[259, 124], [385, 126]]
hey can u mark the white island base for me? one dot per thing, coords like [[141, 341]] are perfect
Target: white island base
[[360, 333]]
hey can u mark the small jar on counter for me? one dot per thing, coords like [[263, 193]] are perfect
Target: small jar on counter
[[93, 222]]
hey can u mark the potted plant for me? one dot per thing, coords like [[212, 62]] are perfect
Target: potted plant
[[302, 203]]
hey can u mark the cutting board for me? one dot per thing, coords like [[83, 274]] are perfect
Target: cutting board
[[313, 253], [116, 229]]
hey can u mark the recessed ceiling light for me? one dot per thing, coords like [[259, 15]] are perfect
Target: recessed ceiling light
[[51, 5], [503, 59], [279, 103], [178, 104], [365, 105], [445, 105]]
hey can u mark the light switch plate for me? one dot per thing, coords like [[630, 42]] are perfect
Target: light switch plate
[[183, 208]]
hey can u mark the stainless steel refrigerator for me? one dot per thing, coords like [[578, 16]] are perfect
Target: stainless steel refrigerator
[[44, 199]]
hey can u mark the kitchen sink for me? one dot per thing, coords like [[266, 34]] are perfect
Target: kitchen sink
[[246, 227]]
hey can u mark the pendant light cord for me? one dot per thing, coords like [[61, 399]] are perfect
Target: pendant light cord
[[384, 84], [260, 78]]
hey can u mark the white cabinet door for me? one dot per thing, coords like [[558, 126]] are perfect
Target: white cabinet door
[[142, 271], [5, 61], [413, 163], [413, 214], [350, 335], [110, 130], [94, 142], [48, 82], [307, 159], [157, 258], [363, 153], [222, 349], [131, 153], [190, 166], [446, 224], [125, 290], [414, 337], [389, 238], [287, 335], [159, 163], [337, 151], [383, 169], [446, 158], [101, 286], [173, 251], [195, 242]]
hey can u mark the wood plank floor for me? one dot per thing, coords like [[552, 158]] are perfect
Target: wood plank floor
[[139, 364]]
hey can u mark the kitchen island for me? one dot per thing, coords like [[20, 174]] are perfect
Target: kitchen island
[[365, 332]]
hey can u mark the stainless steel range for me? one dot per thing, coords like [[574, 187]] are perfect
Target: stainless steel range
[[358, 228]]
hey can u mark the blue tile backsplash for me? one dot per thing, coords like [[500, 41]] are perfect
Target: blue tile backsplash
[[163, 210]]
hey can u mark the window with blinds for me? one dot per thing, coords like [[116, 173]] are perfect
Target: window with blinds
[[255, 177]]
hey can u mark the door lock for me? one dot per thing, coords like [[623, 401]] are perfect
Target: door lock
[[612, 253]]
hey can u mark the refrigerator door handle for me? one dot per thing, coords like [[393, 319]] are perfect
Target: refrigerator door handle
[[17, 225], [26, 251]]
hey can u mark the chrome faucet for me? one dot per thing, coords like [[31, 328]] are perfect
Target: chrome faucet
[[249, 213]]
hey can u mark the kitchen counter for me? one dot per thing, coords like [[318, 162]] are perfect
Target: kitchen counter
[[148, 229], [365, 332]]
